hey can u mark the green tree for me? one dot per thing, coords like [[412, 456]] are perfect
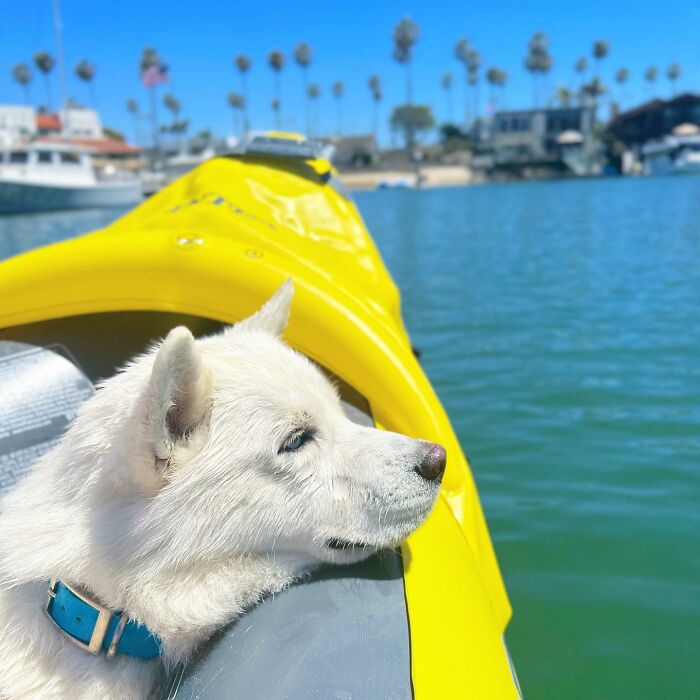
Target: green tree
[[375, 86], [276, 61], [673, 72], [462, 51], [22, 74], [237, 103], [86, 72], [132, 107], [314, 93], [446, 82], [601, 49], [563, 96], [303, 56], [621, 77], [151, 59], [338, 90], [473, 67], [45, 63], [593, 90], [538, 61], [650, 75], [412, 121], [174, 106], [497, 79], [244, 64], [406, 34]]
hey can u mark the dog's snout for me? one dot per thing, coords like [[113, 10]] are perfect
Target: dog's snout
[[432, 466]]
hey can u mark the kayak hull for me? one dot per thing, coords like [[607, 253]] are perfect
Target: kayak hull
[[213, 246]]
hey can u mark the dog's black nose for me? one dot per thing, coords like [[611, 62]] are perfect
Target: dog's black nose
[[432, 466]]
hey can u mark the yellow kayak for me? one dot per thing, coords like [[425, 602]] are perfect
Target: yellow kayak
[[209, 250]]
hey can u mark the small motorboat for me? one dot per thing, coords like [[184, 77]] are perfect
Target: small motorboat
[[425, 622], [43, 176]]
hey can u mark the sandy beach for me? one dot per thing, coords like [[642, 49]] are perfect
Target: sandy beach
[[433, 176]]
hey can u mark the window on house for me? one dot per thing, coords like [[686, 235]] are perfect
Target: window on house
[[44, 156], [18, 157]]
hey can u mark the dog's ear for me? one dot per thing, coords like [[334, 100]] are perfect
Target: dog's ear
[[274, 314], [179, 392]]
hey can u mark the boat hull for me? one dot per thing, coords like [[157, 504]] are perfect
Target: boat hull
[[24, 198]]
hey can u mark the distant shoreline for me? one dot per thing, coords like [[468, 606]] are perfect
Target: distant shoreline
[[433, 176]]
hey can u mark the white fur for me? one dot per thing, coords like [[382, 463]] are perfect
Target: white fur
[[169, 498]]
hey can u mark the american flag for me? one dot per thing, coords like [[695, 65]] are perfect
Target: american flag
[[156, 74]]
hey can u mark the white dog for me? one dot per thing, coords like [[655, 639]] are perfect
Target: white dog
[[203, 476]]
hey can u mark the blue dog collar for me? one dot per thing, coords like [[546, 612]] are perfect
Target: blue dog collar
[[95, 628]]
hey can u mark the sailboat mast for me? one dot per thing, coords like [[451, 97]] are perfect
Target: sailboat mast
[[58, 26]]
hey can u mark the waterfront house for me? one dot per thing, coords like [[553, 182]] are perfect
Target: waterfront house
[[535, 143], [642, 133]]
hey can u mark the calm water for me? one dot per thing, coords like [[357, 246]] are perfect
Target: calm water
[[560, 324]]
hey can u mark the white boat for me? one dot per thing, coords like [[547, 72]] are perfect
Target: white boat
[[46, 176], [675, 154]]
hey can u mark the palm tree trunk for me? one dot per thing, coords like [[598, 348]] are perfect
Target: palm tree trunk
[[246, 124], [306, 100], [409, 84], [154, 124], [375, 124], [278, 90], [465, 97], [47, 84]]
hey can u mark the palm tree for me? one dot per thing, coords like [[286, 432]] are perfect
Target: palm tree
[[22, 74], [461, 51], [496, 78], [673, 72], [44, 61], [563, 96], [621, 77], [86, 72], [375, 86], [594, 89], [406, 34], [303, 56], [243, 63], [237, 104], [338, 90], [446, 82], [601, 49], [173, 104], [275, 105], [150, 59], [132, 106], [313, 92], [502, 80], [473, 66], [538, 60], [275, 60], [650, 75], [580, 68]]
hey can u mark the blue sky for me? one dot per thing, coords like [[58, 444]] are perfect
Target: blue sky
[[350, 40]]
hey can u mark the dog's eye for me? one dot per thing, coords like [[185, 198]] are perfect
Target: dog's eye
[[297, 440]]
